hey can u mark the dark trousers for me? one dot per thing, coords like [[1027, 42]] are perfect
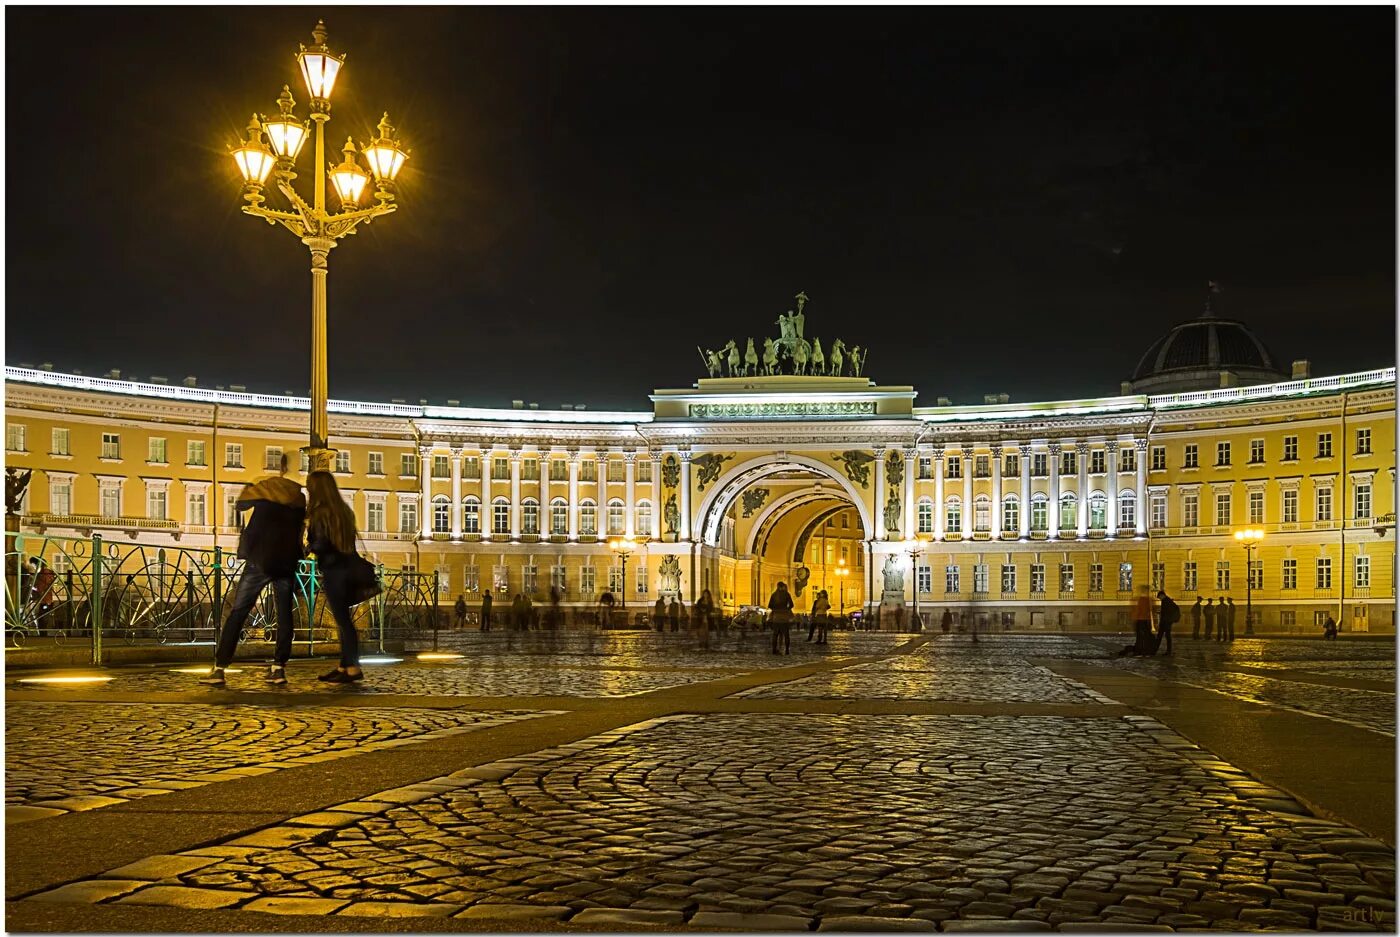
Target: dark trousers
[[1230, 624], [1195, 627], [1143, 638], [1164, 633], [486, 619], [782, 631], [250, 585], [337, 598]]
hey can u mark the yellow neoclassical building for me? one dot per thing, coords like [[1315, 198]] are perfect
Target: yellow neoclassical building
[[787, 464]]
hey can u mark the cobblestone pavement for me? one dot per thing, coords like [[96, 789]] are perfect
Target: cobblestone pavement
[[744, 818], [76, 756]]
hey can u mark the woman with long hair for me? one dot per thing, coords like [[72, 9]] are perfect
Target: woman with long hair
[[330, 534]]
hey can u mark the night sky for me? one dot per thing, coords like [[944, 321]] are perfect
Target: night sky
[[992, 199]]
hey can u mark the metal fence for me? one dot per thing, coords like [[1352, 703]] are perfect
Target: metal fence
[[149, 594]]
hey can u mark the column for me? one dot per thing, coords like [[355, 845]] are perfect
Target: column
[[1111, 517], [630, 502], [1023, 530], [542, 461], [484, 517], [911, 465], [515, 494], [1082, 527], [969, 516], [938, 513], [996, 492], [425, 503], [1141, 516], [456, 506], [1053, 528], [879, 513], [656, 505], [573, 494], [685, 496]]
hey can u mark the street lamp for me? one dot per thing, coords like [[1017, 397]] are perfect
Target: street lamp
[[914, 554], [311, 223], [1250, 538], [841, 573], [623, 547]]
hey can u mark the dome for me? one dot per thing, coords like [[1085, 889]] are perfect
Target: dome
[[1194, 354]]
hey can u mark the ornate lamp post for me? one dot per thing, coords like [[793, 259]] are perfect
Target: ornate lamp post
[[623, 547], [312, 223], [914, 554], [1250, 538], [841, 573]]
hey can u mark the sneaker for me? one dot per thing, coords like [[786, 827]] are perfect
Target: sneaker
[[343, 676], [330, 676], [215, 677], [276, 674]]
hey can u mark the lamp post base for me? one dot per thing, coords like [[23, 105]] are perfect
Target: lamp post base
[[319, 459]]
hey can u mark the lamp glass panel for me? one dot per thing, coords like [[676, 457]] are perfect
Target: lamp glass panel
[[287, 137], [320, 71], [254, 163], [385, 161], [349, 183]]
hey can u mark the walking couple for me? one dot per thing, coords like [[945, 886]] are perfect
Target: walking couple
[[271, 546]]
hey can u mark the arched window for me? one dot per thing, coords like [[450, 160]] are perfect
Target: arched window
[[1068, 520], [617, 517], [530, 521], [442, 514], [471, 515], [1011, 514], [558, 517], [643, 518], [588, 519], [500, 516], [954, 515], [925, 515], [1039, 513], [1098, 511], [983, 506], [1127, 510]]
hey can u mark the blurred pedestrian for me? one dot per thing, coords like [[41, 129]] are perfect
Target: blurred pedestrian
[[674, 613], [1142, 624], [1167, 616], [1209, 612], [780, 605], [556, 613], [486, 610], [517, 613], [41, 590], [947, 622], [330, 535], [606, 603], [1221, 620], [821, 616], [1329, 629], [658, 613], [1196, 619], [460, 611], [1230, 616], [703, 614]]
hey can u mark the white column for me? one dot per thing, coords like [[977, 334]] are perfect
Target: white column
[[544, 516], [911, 464], [685, 496], [1053, 528], [425, 504], [996, 492], [938, 514], [656, 512], [456, 506], [515, 494], [484, 518], [1082, 527], [969, 516], [630, 504], [1141, 515], [573, 494], [1111, 516], [1023, 529], [879, 514]]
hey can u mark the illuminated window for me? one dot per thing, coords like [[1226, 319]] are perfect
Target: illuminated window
[[1068, 512], [1127, 459], [1256, 451], [952, 580], [1290, 448], [61, 496], [1188, 576], [374, 517], [1363, 502], [1159, 576], [155, 450], [1008, 578], [471, 515], [1125, 577], [442, 514], [1222, 509], [1363, 572], [1066, 578], [1324, 445], [196, 509], [1290, 574], [616, 518], [1097, 462], [1324, 504], [1159, 458], [15, 439], [925, 516], [1011, 514], [1037, 578], [1222, 454], [194, 452], [59, 443], [1039, 505], [530, 519], [588, 519], [980, 578], [1098, 511], [558, 517], [1363, 442], [924, 576], [408, 517], [954, 467], [1222, 575], [1324, 572], [272, 459], [1095, 578], [471, 578], [1190, 509], [644, 518], [376, 463], [954, 525], [442, 466], [1127, 510], [1191, 456], [500, 516], [111, 445]]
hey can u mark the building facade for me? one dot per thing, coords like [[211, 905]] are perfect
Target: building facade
[[1040, 516]]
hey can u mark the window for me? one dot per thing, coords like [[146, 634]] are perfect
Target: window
[[559, 470], [196, 509], [1013, 466], [60, 496], [408, 517], [558, 517], [471, 467], [1363, 442], [1159, 576], [588, 470], [374, 517], [408, 465], [1324, 504], [471, 515], [442, 514], [983, 513], [925, 467], [529, 577], [305, 461], [500, 516], [1066, 578], [1256, 574], [1011, 514], [500, 469], [1127, 511], [530, 518], [111, 445], [954, 516], [155, 503], [1190, 509], [1008, 578], [376, 463], [954, 467], [1125, 577], [1363, 501], [232, 516], [1069, 463], [614, 578], [1222, 509], [471, 578], [442, 468], [1095, 578], [644, 518], [644, 469], [155, 450], [530, 470], [1324, 572], [1068, 518], [1290, 506], [1222, 575], [925, 516], [1127, 459], [1256, 451], [588, 580], [1159, 458], [642, 579], [1324, 445], [58, 443], [616, 518], [272, 458], [588, 519], [1098, 513], [1037, 578], [1191, 457], [1188, 576], [980, 575], [617, 470], [559, 578], [1222, 454], [342, 461], [1097, 462], [1039, 520], [952, 583], [924, 580], [1256, 507], [194, 451], [1158, 503], [1038, 463], [1290, 448], [1290, 574], [983, 467], [15, 439], [1363, 572]]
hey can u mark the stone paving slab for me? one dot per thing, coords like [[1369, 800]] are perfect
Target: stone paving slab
[[923, 675]]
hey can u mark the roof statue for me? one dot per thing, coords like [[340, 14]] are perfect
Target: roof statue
[[790, 353]]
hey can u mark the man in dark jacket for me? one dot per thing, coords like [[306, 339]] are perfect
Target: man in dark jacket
[[486, 610], [270, 547], [1196, 619], [1166, 617]]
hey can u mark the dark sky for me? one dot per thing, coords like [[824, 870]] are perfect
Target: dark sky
[[991, 199]]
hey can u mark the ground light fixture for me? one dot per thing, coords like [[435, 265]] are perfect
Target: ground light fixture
[[202, 670], [74, 680], [381, 660], [439, 655]]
